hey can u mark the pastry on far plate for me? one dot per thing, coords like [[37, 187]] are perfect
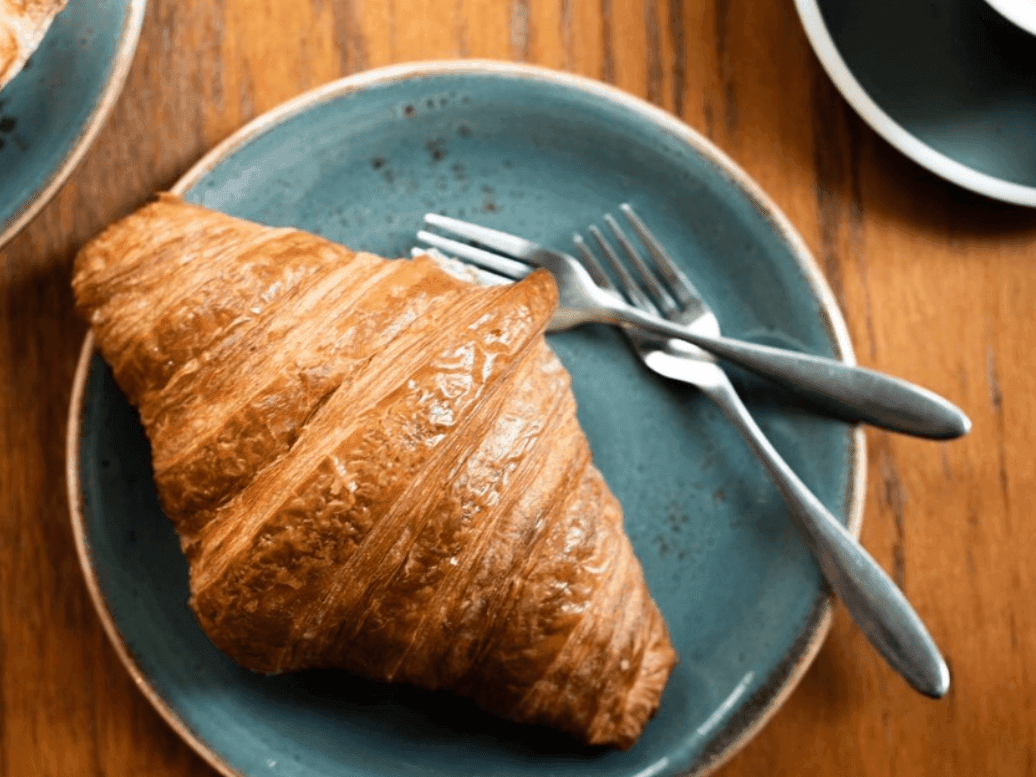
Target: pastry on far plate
[[23, 23], [376, 466]]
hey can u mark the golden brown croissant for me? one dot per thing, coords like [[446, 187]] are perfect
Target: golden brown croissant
[[22, 26], [372, 465]]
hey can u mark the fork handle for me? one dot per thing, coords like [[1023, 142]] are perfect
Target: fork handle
[[875, 603], [853, 393]]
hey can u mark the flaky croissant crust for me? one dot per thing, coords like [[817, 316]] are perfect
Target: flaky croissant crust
[[372, 465]]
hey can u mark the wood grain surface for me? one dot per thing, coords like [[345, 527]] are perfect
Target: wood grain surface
[[937, 286]]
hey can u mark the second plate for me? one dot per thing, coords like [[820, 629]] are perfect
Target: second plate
[[950, 84]]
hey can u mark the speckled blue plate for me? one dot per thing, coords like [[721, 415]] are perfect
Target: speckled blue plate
[[51, 111], [538, 153], [951, 84]]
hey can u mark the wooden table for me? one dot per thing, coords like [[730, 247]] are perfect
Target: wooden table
[[936, 284]]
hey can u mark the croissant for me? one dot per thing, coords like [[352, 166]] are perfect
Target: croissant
[[373, 465], [23, 24]]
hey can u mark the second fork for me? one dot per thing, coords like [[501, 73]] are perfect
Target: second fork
[[874, 601], [856, 394]]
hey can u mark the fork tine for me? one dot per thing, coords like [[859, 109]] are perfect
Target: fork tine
[[490, 238], [681, 286], [460, 269], [493, 262], [593, 266], [629, 285], [647, 277]]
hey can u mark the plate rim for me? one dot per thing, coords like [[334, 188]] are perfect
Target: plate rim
[[946, 167], [132, 23], [786, 677]]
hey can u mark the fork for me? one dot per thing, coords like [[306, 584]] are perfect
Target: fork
[[854, 393], [877, 605]]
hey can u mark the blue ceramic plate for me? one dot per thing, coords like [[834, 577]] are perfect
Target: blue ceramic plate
[[51, 111], [538, 153], [951, 84]]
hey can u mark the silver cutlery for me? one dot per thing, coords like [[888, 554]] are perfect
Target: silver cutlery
[[877, 605], [850, 392]]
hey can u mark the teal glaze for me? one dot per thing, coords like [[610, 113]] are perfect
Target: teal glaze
[[53, 106], [954, 73], [740, 593]]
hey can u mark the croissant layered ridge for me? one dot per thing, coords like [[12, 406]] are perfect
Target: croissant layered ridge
[[372, 465]]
